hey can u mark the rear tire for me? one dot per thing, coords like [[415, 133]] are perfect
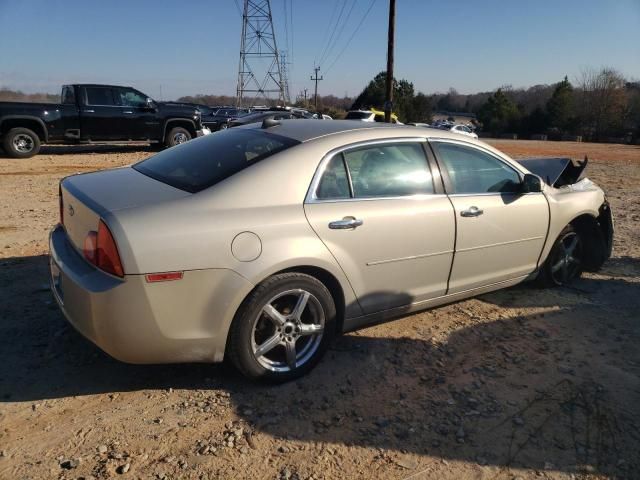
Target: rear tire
[[21, 143], [178, 135], [283, 328], [565, 261]]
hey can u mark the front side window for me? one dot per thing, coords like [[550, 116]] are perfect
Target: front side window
[[130, 98], [199, 164], [100, 96], [474, 171]]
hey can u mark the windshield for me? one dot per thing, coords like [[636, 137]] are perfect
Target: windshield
[[201, 163]]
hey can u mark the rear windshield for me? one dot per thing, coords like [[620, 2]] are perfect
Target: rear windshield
[[201, 163]]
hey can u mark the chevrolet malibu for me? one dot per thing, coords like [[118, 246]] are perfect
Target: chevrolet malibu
[[261, 243]]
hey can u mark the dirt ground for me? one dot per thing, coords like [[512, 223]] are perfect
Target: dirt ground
[[521, 383]]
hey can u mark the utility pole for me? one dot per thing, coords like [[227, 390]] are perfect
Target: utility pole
[[317, 79], [388, 104], [306, 105]]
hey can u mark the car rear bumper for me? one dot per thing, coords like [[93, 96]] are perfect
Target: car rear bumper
[[139, 322]]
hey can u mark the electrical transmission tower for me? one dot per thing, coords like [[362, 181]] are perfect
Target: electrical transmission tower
[[284, 68], [260, 69]]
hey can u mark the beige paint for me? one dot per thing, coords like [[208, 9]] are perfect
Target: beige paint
[[397, 262]]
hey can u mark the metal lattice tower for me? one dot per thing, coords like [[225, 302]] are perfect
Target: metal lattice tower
[[284, 69], [260, 70]]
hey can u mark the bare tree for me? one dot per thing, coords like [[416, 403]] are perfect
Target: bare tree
[[602, 101]]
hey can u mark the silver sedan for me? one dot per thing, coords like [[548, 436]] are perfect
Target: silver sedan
[[261, 243]]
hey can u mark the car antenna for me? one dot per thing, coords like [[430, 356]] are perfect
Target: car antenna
[[270, 122]]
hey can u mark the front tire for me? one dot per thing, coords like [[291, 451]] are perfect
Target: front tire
[[178, 135], [283, 328], [21, 143], [565, 261]]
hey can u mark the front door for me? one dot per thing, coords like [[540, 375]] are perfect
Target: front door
[[139, 120], [500, 230], [376, 210]]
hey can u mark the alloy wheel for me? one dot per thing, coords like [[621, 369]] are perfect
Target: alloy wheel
[[179, 138], [23, 143], [287, 331], [567, 263]]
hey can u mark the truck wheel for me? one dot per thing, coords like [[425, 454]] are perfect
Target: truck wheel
[[21, 143], [177, 136]]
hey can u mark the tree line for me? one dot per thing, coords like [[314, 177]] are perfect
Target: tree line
[[601, 105]]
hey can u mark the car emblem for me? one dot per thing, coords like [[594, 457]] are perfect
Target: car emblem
[[71, 210]]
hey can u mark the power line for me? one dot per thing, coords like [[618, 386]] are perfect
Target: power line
[[352, 36], [335, 28], [326, 36], [337, 38]]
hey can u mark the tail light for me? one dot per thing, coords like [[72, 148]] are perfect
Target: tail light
[[100, 250], [60, 203]]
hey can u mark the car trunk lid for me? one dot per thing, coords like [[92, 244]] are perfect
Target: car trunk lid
[[87, 198]]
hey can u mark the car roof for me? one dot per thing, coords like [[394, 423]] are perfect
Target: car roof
[[309, 129]]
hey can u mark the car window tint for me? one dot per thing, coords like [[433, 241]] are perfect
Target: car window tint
[[474, 171], [68, 96], [130, 98], [334, 183], [99, 96], [201, 163], [389, 170]]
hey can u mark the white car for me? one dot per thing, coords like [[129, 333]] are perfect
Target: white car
[[463, 130]]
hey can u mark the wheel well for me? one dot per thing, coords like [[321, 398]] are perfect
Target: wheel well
[[179, 123], [332, 284], [24, 123], [593, 237]]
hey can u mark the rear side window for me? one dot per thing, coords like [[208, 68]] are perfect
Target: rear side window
[[381, 171], [100, 96], [68, 96], [201, 163], [389, 171]]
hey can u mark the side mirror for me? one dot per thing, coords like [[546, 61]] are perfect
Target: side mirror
[[531, 183], [150, 104]]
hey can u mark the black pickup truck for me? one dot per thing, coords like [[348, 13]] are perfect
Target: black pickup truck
[[95, 114]]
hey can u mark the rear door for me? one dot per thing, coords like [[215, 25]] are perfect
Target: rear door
[[500, 230], [376, 209], [100, 115]]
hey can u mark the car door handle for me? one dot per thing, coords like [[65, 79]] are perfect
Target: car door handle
[[88, 111], [127, 111], [472, 212], [345, 223]]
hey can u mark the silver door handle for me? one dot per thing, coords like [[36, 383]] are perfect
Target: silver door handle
[[472, 212], [345, 223], [127, 111], [89, 111]]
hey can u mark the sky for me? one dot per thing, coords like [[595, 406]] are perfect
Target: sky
[[169, 48]]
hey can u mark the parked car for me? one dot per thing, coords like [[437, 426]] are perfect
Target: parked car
[[224, 115], [418, 124], [371, 115], [90, 113], [208, 115], [259, 116], [462, 130], [261, 243]]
